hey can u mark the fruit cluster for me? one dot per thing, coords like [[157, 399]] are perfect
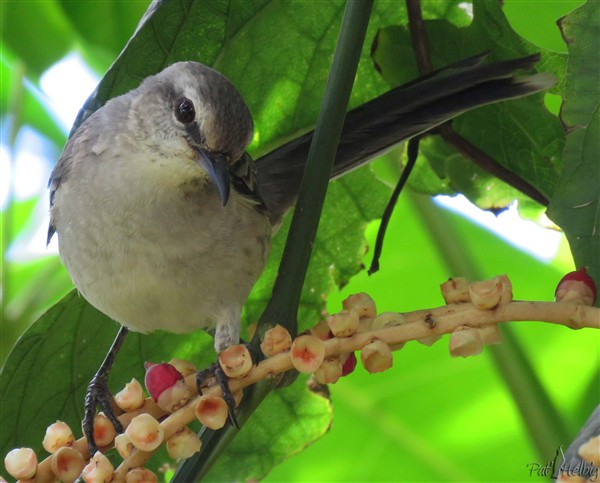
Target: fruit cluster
[[327, 351]]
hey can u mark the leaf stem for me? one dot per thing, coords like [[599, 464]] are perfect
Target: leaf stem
[[283, 305]]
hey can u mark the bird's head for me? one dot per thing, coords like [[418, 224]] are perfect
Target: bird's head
[[196, 115]]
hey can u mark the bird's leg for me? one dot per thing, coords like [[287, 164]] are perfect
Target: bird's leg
[[215, 370], [98, 394]]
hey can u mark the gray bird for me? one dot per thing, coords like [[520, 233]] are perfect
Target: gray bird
[[164, 222]]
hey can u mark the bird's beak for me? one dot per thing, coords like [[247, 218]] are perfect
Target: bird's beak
[[216, 166]]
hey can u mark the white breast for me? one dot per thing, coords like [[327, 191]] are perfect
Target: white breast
[[153, 247]]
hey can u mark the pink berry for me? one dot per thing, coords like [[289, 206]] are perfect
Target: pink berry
[[235, 360], [145, 432], [67, 464], [330, 371], [344, 323], [277, 339], [123, 445], [455, 291], [465, 341], [131, 397], [361, 303], [160, 377], [140, 475], [590, 451], [57, 435], [104, 431], [98, 470], [487, 294], [307, 353], [185, 367], [21, 463], [576, 287], [349, 365], [212, 411], [376, 357], [183, 444]]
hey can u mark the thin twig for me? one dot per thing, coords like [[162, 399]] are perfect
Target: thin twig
[[449, 135]]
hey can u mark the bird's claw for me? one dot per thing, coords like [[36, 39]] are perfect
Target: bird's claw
[[98, 394], [215, 371]]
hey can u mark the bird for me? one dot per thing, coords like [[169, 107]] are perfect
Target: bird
[[165, 222]]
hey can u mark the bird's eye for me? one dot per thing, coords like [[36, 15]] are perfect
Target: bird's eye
[[185, 111]]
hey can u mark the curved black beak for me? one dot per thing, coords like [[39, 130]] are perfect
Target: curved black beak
[[216, 166]]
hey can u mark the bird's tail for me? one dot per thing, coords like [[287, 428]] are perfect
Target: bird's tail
[[396, 116]]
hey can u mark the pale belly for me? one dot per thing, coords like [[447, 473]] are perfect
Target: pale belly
[[180, 272]]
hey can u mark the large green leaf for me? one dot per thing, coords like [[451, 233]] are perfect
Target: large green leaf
[[22, 24], [575, 206], [521, 135]]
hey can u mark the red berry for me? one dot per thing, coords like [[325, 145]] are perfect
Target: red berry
[[350, 364], [160, 377], [568, 288]]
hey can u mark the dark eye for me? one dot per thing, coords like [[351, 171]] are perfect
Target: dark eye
[[185, 111]]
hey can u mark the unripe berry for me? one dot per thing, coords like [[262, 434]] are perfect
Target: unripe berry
[[307, 353], [486, 294], [145, 432], [21, 463], [344, 323], [277, 339], [590, 451], [185, 368], [140, 475], [465, 341], [455, 291], [349, 363], [507, 292], [376, 357], [166, 386], [98, 470], [104, 431], [321, 331], [123, 445], [361, 303], [67, 464], [490, 334], [236, 360], [211, 411], [577, 287], [131, 397], [183, 444], [57, 436], [330, 371]]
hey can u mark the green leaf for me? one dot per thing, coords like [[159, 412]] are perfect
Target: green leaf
[[521, 135], [575, 205], [21, 28], [282, 426], [47, 373], [119, 20]]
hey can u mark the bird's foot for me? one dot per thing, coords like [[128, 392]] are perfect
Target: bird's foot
[[216, 371], [98, 394]]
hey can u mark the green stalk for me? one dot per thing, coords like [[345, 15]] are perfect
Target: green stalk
[[283, 305], [544, 423]]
